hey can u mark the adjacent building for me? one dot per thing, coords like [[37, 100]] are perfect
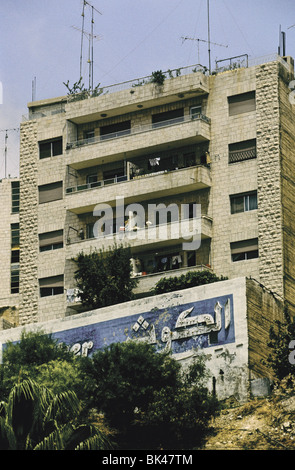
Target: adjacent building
[[9, 252]]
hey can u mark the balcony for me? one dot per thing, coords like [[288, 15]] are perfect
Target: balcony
[[148, 281], [149, 238], [84, 198], [126, 97], [187, 130]]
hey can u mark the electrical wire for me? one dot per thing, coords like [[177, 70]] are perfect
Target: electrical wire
[[146, 36], [242, 34]]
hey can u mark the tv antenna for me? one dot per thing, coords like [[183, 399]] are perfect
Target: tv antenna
[[201, 40], [91, 36], [208, 41]]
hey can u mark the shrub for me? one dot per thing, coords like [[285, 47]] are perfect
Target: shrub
[[190, 279]]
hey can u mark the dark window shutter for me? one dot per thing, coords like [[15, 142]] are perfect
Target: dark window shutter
[[243, 103], [50, 192]]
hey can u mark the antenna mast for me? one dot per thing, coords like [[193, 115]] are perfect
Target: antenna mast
[[5, 147], [209, 50], [90, 36], [203, 40]]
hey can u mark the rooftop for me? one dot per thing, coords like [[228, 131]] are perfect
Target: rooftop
[[57, 105]]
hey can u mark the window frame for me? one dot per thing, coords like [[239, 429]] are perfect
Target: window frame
[[246, 202], [51, 143], [244, 250]]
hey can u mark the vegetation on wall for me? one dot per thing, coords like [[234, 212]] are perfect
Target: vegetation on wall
[[190, 279], [158, 77], [79, 92]]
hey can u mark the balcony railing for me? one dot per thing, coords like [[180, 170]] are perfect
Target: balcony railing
[[124, 178], [138, 130], [97, 184], [149, 233]]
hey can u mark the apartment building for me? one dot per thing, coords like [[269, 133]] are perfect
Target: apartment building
[[223, 142], [9, 252]]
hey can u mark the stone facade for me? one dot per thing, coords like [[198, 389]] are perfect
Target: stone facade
[[9, 298], [89, 152]]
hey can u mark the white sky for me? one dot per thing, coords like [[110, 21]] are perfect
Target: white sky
[[136, 37]]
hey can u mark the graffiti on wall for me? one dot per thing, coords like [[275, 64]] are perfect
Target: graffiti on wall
[[176, 329]]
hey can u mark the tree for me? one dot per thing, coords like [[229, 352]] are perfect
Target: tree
[[25, 358], [35, 419], [178, 418], [142, 392], [104, 277]]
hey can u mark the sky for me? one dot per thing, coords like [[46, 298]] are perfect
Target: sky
[[40, 41]]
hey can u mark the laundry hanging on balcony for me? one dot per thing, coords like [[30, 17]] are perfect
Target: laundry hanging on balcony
[[154, 161]]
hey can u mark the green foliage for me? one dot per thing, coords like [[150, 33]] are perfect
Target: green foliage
[[190, 279], [147, 398], [280, 334], [79, 92], [35, 419], [158, 77], [26, 359], [104, 277], [123, 378]]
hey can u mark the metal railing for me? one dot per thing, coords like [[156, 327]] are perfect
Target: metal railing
[[136, 82], [138, 130], [241, 155], [124, 178], [96, 184]]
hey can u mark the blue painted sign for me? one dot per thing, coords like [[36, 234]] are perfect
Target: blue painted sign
[[176, 329]]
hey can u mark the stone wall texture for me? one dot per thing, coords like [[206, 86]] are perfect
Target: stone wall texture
[[28, 224]]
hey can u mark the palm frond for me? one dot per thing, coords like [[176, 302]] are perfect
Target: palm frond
[[53, 441], [97, 442], [62, 405]]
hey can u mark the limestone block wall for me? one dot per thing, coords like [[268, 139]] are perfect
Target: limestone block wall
[[229, 179], [269, 177], [263, 310], [29, 245], [287, 146]]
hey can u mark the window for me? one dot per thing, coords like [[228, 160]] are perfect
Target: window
[[51, 286], [14, 268], [14, 278], [243, 202], [113, 176], [167, 118], [240, 151], [14, 236], [89, 135], [115, 130], [50, 192], [242, 103], [92, 181], [196, 112], [244, 250], [89, 230], [15, 196], [51, 240], [50, 148]]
